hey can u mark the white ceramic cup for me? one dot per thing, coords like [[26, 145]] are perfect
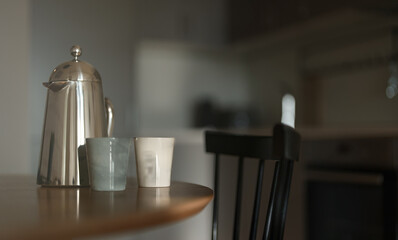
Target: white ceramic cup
[[154, 157]]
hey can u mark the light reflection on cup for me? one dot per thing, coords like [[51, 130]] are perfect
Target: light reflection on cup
[[153, 197]]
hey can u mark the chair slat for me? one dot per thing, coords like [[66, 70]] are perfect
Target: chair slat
[[276, 216], [238, 199], [271, 203], [257, 200], [216, 196]]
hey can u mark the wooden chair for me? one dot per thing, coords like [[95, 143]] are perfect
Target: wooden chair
[[283, 147]]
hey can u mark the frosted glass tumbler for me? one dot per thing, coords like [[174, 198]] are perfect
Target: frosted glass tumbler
[[154, 157], [108, 162]]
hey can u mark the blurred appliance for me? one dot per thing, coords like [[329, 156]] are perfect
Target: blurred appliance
[[351, 189], [207, 113], [75, 110]]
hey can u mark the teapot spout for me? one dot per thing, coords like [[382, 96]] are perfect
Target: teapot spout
[[57, 85]]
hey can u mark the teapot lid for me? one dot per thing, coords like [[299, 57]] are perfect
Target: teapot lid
[[75, 70]]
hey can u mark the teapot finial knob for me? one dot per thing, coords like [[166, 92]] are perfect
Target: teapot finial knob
[[76, 51]]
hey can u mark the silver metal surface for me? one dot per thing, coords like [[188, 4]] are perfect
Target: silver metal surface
[[75, 70], [76, 51], [75, 110]]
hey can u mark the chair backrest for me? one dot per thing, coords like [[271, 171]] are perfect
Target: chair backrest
[[283, 147]]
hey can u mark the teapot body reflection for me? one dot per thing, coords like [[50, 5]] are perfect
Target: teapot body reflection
[[75, 110]]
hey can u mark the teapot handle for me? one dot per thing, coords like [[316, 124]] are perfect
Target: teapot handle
[[109, 116]]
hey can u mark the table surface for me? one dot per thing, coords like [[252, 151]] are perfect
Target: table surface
[[30, 211]]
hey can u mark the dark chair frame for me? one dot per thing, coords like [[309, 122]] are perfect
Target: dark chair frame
[[283, 147]]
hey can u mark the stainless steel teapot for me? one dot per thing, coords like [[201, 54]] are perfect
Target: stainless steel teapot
[[75, 110]]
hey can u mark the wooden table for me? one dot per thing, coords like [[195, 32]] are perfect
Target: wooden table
[[34, 212]]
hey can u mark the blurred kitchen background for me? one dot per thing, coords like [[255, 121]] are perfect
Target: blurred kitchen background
[[175, 67]]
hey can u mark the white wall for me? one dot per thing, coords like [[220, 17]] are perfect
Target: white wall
[[14, 87], [171, 78]]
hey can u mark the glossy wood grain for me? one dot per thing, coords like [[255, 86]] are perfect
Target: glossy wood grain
[[28, 211]]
